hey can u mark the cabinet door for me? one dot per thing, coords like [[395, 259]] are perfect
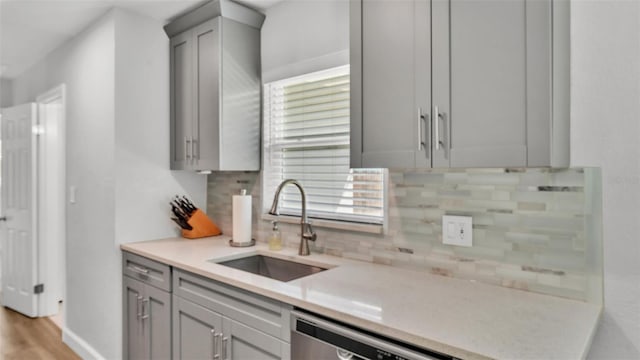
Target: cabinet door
[[241, 342], [195, 331], [394, 61], [134, 339], [181, 79], [157, 323], [481, 82], [206, 87]]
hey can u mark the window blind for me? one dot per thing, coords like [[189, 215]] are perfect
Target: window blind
[[307, 139]]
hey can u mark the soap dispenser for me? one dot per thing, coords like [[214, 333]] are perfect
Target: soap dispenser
[[275, 240]]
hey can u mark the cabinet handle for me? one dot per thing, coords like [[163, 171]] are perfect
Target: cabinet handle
[[437, 116], [225, 340], [140, 269], [145, 316], [421, 118], [138, 310], [216, 352], [187, 148], [194, 147]]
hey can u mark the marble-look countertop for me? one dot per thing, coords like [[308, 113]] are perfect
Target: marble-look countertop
[[462, 318]]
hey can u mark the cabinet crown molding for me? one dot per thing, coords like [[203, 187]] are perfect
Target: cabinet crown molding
[[212, 9]]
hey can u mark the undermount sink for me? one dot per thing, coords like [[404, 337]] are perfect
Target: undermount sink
[[274, 268]]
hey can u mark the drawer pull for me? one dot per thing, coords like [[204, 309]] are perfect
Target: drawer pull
[[140, 269]]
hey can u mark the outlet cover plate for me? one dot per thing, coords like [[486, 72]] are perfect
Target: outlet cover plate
[[457, 230]]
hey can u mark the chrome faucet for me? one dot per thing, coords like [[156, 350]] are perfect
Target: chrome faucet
[[306, 231]]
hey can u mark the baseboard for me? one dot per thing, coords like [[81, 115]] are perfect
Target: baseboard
[[79, 346]]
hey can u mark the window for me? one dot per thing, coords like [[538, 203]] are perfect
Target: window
[[306, 136]]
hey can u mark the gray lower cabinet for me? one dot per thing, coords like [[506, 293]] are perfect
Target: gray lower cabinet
[[196, 331], [458, 83], [242, 342], [170, 313], [147, 321], [212, 320], [200, 333], [134, 339]]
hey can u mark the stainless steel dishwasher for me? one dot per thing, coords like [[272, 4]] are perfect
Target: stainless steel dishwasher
[[317, 338]]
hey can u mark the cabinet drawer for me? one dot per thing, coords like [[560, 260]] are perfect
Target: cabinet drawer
[[266, 315], [147, 271]]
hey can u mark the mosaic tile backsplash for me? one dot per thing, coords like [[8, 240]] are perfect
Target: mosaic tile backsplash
[[537, 230]]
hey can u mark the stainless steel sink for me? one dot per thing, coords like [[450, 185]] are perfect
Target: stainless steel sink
[[274, 268]]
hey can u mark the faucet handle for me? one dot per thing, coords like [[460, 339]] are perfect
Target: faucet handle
[[309, 234]]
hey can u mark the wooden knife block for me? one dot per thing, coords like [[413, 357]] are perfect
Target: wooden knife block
[[202, 226]]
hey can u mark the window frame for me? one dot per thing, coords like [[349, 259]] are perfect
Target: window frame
[[267, 194]]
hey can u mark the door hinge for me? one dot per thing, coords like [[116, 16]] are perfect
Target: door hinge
[[38, 289]]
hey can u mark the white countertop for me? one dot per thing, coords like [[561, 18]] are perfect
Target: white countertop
[[459, 317]]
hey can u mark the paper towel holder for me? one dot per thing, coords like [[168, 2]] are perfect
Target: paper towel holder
[[242, 244]]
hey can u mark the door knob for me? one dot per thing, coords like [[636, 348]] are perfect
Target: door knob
[[3, 218]]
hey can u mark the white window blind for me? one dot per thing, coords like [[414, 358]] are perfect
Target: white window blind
[[307, 139]]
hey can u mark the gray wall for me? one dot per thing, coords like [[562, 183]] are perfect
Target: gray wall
[[117, 80], [605, 132]]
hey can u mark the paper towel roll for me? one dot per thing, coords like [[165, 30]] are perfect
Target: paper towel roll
[[241, 219]]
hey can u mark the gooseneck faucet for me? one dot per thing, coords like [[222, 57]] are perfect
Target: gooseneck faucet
[[306, 231]]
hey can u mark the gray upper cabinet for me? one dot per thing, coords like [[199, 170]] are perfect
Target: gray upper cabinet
[[491, 79], [215, 88], [390, 50]]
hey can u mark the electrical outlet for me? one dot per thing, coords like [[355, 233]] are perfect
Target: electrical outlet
[[457, 230]]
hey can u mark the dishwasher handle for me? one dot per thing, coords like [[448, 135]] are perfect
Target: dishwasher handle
[[354, 341]]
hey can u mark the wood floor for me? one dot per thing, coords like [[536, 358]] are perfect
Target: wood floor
[[23, 338]]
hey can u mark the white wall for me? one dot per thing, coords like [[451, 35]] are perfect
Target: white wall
[[6, 93], [324, 43], [117, 78], [605, 132], [86, 65], [144, 183]]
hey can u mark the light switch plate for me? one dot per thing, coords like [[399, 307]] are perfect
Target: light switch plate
[[72, 194], [457, 230]]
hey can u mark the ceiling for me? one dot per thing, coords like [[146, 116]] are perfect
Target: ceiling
[[30, 29]]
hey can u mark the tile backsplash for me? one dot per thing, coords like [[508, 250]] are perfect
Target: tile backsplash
[[537, 230]]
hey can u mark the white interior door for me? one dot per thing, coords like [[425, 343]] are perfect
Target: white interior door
[[18, 209], [51, 199]]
